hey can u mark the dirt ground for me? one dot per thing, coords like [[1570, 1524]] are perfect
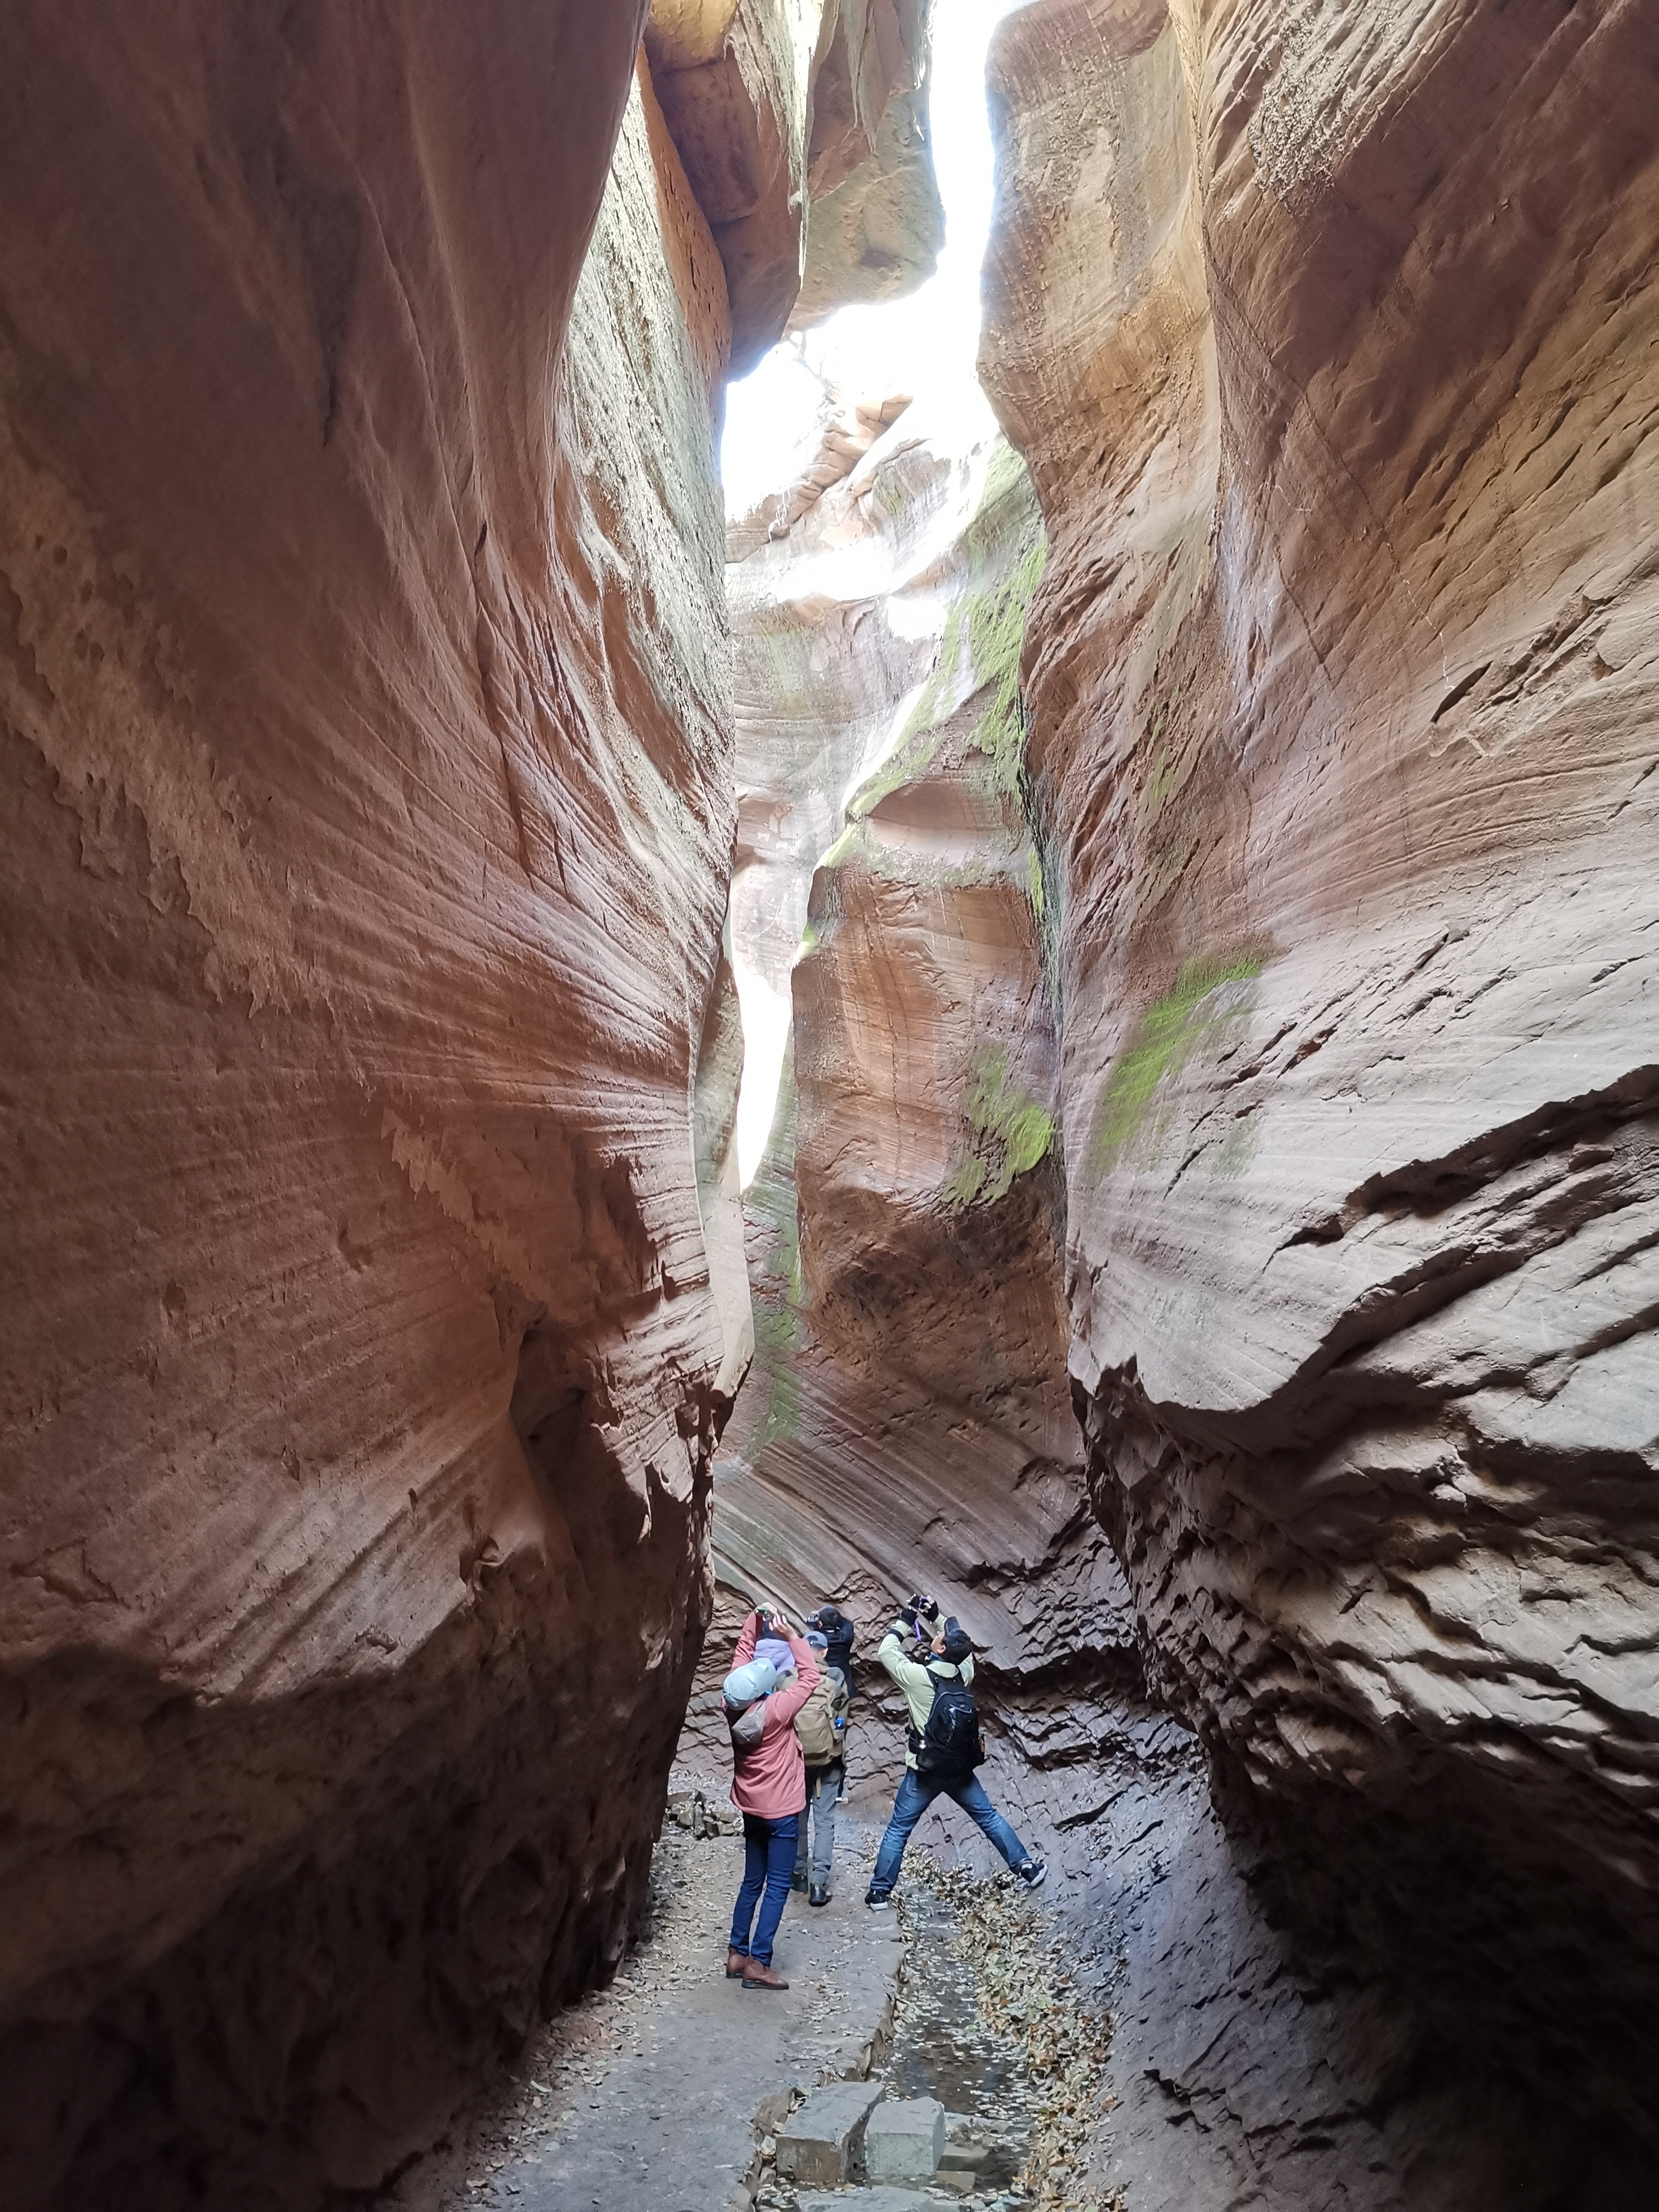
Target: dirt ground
[[656, 2095]]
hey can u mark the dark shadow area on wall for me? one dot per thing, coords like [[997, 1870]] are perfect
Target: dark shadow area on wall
[[487, 1859]]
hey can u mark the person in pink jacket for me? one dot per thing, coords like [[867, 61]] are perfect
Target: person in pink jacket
[[769, 1787]]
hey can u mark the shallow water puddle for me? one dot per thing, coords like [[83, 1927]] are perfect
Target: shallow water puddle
[[943, 2048]]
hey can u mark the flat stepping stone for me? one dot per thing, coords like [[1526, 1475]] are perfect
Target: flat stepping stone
[[868, 2200], [819, 2145], [904, 2139]]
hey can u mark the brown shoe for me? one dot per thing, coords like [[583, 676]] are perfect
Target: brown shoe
[[762, 1978], [736, 1965]]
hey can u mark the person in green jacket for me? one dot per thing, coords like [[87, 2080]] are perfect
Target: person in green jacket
[[930, 1658]]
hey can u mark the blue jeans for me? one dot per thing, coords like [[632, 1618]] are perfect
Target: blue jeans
[[915, 1797], [769, 1860], [824, 1785]]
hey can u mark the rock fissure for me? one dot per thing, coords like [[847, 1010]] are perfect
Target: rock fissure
[[1182, 837]]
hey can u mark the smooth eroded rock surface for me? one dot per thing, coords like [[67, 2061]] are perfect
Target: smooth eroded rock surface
[[367, 727], [1329, 342], [906, 1422]]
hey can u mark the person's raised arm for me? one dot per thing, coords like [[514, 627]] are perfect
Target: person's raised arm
[[787, 1702], [746, 1650], [908, 1674]]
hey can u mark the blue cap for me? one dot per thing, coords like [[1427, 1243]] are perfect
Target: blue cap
[[745, 1683]]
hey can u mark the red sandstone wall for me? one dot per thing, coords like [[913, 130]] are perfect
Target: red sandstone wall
[[1328, 337], [369, 811]]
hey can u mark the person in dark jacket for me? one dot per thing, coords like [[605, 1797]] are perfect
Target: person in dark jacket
[[838, 1632]]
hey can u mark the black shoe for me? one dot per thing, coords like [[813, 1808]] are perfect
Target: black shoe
[[878, 1900], [1034, 1873], [820, 1893], [798, 1882]]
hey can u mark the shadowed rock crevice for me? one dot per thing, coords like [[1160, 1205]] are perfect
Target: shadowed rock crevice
[[1199, 840]]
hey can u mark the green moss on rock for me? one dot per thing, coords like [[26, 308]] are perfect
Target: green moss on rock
[[983, 637], [1010, 1132], [996, 638], [1164, 1038]]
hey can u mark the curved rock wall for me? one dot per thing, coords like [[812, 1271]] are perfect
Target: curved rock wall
[[907, 1420], [1328, 339], [367, 736]]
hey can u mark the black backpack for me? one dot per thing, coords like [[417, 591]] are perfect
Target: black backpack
[[951, 1746]]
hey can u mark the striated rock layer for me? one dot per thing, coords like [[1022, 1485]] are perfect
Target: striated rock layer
[[368, 774], [907, 1421], [1328, 338]]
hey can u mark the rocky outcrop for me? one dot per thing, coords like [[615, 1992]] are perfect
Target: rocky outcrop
[[368, 735], [1330, 347], [848, 435], [875, 224], [735, 77], [802, 124]]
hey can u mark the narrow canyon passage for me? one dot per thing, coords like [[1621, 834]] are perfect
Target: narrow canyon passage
[[700, 908]]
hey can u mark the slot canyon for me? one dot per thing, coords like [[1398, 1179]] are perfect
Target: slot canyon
[[1172, 802]]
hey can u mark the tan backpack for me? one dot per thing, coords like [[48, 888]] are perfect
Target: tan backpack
[[821, 1724]]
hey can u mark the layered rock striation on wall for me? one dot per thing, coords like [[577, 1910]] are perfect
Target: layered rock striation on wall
[[368, 782], [375, 1272], [907, 1421], [1328, 338]]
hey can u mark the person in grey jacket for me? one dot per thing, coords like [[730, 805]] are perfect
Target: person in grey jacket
[[922, 1653]]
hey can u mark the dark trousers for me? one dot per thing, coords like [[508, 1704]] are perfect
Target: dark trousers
[[769, 1860]]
